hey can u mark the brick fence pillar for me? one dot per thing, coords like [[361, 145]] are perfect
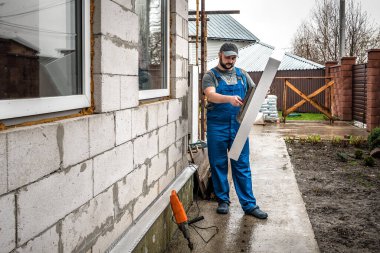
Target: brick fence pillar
[[373, 89], [345, 88]]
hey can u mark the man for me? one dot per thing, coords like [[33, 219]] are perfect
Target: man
[[225, 87]]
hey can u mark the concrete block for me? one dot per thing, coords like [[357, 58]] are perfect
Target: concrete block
[[162, 115], [157, 167], [47, 242], [125, 3], [106, 93], [180, 7], [144, 201], [166, 179], [166, 136], [139, 121], [104, 240], [43, 203], [114, 56], [152, 116], [81, 228], [174, 153], [102, 133], [38, 148], [7, 223], [111, 13], [3, 164], [179, 67], [112, 166], [179, 26], [145, 147], [123, 121], [131, 186], [129, 91], [74, 141], [178, 87], [179, 47], [180, 165], [182, 128], [174, 110]]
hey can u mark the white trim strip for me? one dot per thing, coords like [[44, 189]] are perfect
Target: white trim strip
[[146, 94], [194, 71], [254, 107], [33, 106], [130, 240]]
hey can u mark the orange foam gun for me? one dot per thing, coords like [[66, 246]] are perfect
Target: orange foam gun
[[181, 217]]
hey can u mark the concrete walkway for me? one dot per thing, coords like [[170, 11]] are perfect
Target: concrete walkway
[[287, 229], [322, 128]]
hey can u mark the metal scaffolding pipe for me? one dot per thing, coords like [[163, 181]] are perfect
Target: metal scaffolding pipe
[[203, 65]]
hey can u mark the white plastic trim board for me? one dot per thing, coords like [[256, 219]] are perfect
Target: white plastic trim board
[[255, 103]]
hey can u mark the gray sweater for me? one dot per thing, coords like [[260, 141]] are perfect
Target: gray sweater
[[229, 76]]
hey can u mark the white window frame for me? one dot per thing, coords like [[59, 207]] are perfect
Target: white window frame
[[16, 108], [156, 93]]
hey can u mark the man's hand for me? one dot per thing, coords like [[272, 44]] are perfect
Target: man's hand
[[214, 97], [236, 101]]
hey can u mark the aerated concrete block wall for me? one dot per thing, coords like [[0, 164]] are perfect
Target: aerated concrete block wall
[[76, 185]]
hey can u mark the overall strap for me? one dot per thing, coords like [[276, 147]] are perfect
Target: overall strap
[[241, 76], [217, 76]]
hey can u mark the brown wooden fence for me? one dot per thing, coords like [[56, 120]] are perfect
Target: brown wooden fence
[[306, 86], [359, 93]]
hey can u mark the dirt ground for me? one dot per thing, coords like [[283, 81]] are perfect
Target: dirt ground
[[342, 197]]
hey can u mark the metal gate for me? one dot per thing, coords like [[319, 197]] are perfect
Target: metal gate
[[359, 92]]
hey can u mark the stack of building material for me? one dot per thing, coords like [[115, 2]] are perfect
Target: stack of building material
[[269, 109]]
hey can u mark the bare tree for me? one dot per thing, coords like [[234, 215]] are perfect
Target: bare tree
[[318, 38], [361, 33]]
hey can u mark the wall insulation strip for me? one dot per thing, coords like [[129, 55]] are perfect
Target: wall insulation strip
[[133, 236], [254, 103]]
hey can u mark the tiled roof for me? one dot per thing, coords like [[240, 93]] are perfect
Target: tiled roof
[[223, 26], [255, 56]]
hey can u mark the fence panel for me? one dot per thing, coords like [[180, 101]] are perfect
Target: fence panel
[[306, 86], [359, 93]]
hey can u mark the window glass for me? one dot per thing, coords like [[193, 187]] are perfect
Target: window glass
[[40, 49], [152, 44]]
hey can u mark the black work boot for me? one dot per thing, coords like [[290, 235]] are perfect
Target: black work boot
[[256, 212], [222, 208]]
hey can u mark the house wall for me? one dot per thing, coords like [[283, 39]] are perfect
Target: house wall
[[76, 185]]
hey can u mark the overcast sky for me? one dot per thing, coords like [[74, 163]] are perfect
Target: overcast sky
[[276, 21]]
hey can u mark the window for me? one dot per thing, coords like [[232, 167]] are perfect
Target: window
[[44, 57], [153, 48]]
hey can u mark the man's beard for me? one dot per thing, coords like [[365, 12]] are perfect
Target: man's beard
[[225, 66]]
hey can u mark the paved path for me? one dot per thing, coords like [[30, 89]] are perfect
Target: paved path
[[287, 229], [321, 128]]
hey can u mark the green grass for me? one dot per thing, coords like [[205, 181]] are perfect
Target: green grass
[[305, 116]]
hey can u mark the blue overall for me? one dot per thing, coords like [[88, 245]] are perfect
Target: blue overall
[[222, 127]]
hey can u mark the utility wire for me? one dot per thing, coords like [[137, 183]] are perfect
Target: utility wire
[[34, 29], [195, 227], [35, 10]]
